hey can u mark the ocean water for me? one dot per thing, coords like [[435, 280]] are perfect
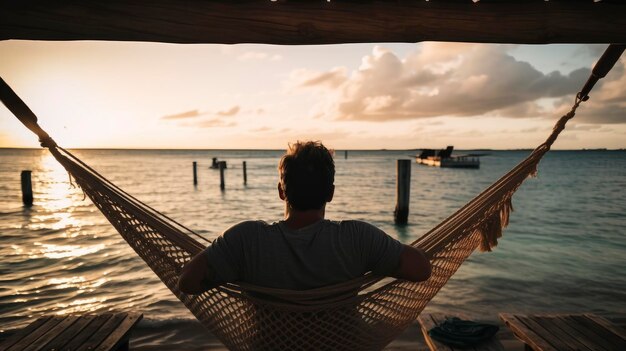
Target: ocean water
[[564, 250]]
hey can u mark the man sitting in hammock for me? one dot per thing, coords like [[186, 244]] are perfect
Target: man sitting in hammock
[[304, 250]]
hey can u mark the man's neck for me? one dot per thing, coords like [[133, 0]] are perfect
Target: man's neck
[[299, 219]]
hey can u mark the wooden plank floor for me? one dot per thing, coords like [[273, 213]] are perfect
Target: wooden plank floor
[[108, 331], [564, 332], [431, 320]]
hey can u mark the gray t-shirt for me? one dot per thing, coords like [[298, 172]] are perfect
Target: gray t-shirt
[[323, 253]]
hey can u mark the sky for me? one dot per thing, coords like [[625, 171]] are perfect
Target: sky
[[90, 94]]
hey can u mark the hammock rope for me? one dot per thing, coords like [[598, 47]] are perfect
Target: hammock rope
[[361, 314], [135, 200]]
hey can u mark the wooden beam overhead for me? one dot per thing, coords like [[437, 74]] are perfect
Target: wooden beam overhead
[[314, 21]]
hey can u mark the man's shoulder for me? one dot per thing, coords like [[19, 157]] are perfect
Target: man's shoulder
[[355, 224], [245, 229], [248, 225], [360, 231]]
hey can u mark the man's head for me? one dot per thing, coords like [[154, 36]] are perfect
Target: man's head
[[307, 175]]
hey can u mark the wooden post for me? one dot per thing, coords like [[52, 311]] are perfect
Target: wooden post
[[345, 155], [245, 173], [222, 165], [195, 173], [403, 191], [27, 189]]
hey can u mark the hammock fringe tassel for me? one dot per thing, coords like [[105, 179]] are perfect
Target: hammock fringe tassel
[[491, 229]]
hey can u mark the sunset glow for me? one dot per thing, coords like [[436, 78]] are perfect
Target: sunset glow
[[359, 96]]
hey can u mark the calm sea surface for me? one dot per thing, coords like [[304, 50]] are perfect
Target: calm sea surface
[[564, 250]]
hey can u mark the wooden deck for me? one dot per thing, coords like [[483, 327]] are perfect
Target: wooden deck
[[429, 321], [108, 331], [551, 332]]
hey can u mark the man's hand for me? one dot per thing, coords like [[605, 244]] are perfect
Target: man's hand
[[414, 265], [197, 276]]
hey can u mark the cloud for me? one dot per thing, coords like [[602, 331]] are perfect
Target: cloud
[[182, 115], [210, 123], [261, 129], [258, 56], [191, 118], [589, 127], [332, 79], [607, 103], [194, 114], [464, 80], [230, 112], [526, 130], [459, 80]]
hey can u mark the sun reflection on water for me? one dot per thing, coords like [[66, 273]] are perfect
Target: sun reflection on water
[[80, 282], [18, 250], [55, 221], [81, 305], [56, 199], [62, 283], [67, 251], [57, 191], [57, 226]]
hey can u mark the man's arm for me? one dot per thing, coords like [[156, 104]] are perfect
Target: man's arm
[[413, 265], [218, 263], [197, 276]]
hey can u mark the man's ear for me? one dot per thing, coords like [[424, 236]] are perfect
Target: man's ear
[[281, 194], [330, 196]]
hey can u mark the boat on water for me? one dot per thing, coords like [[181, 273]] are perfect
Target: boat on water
[[444, 158]]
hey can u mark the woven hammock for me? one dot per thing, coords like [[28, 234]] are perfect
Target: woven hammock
[[362, 314]]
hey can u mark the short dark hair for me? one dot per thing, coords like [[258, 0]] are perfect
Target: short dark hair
[[307, 174]]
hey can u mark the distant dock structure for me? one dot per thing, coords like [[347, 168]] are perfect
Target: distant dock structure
[[444, 158]]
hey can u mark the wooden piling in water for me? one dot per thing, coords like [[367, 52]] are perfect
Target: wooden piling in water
[[27, 188], [222, 166], [195, 173], [245, 173], [345, 155], [403, 191]]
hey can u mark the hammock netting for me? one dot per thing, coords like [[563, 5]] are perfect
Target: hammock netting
[[362, 314]]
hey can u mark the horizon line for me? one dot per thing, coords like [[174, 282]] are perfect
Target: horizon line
[[282, 149]]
